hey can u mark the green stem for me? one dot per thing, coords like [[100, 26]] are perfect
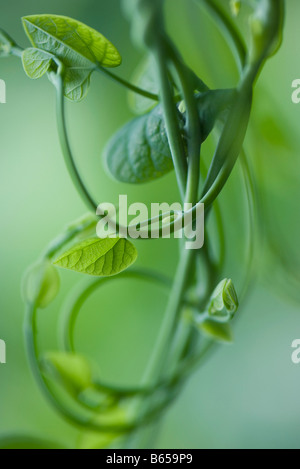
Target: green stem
[[127, 84], [188, 181], [65, 238], [252, 204], [232, 138], [221, 235], [231, 143], [193, 128], [230, 31], [171, 119], [79, 297], [194, 138], [73, 417], [32, 353], [66, 148], [17, 51], [171, 316], [68, 155], [192, 363]]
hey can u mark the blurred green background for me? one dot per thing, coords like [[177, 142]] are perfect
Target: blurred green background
[[246, 395]]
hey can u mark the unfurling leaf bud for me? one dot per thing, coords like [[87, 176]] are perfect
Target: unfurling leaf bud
[[266, 28], [224, 300]]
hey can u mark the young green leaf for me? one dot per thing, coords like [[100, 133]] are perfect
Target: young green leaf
[[217, 331], [99, 257], [73, 371], [41, 284], [140, 151], [79, 48], [36, 62], [211, 105]]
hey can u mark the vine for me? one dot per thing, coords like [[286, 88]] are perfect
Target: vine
[[185, 112]]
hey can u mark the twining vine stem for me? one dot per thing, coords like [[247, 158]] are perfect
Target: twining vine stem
[[127, 84], [65, 145]]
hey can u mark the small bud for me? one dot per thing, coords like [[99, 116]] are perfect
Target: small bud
[[230, 297], [224, 301], [41, 284], [182, 107], [266, 26]]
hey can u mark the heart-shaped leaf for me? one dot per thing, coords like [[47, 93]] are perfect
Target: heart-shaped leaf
[[140, 151], [36, 62], [99, 257], [79, 48]]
